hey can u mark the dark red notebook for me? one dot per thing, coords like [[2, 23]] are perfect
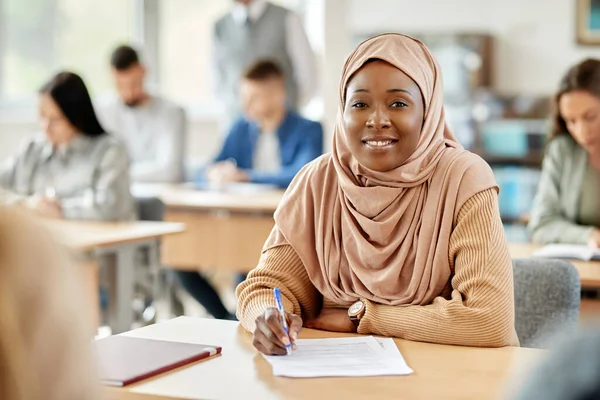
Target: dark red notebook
[[124, 360]]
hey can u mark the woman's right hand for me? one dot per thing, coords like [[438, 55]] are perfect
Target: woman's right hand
[[270, 337], [594, 239]]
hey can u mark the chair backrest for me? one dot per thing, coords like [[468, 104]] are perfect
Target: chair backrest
[[150, 208], [547, 297]]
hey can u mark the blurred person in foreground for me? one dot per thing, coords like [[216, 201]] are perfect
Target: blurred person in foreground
[[46, 334], [571, 371]]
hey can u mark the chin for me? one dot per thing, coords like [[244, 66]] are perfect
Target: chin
[[378, 167], [131, 104], [382, 165]]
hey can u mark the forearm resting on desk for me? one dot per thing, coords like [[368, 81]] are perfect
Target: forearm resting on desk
[[559, 230], [480, 310], [443, 321]]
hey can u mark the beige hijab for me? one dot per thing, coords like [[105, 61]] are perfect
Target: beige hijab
[[383, 236]]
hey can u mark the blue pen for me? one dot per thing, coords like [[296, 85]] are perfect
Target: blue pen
[[277, 295]]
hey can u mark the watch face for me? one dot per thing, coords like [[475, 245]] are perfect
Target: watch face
[[356, 308]]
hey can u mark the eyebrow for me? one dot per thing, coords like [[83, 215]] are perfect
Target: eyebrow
[[389, 91]]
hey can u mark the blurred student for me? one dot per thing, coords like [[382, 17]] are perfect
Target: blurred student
[[570, 372], [153, 131], [152, 128], [270, 143], [74, 170], [567, 206], [45, 334], [255, 30]]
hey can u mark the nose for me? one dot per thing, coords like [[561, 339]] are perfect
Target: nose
[[379, 118]]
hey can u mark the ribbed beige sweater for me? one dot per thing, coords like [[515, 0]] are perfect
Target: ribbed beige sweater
[[476, 309]]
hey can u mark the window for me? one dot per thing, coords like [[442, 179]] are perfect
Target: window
[[185, 46], [40, 37]]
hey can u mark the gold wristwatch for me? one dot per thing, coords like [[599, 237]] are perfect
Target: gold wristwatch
[[356, 312]]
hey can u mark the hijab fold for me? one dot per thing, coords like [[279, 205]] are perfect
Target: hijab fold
[[383, 236]]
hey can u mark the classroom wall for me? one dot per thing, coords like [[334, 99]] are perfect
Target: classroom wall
[[535, 39], [12, 132]]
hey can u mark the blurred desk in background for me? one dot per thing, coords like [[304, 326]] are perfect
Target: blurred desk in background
[[225, 229], [589, 271], [86, 236], [118, 239]]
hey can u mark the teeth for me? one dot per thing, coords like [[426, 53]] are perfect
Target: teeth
[[379, 143]]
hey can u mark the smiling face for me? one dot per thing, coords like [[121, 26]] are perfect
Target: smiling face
[[383, 116], [581, 112]]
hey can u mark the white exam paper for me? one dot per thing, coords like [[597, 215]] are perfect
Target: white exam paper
[[354, 356]]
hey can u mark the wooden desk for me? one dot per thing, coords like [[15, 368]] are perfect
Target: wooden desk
[[87, 236], [589, 271], [441, 372], [122, 240], [224, 230]]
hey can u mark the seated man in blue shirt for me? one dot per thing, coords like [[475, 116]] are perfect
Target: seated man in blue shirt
[[270, 144]]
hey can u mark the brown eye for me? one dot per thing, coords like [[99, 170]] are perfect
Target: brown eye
[[398, 104], [359, 104]]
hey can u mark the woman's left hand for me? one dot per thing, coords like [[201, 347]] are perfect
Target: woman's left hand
[[332, 319]]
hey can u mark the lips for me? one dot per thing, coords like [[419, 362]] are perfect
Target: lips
[[379, 143]]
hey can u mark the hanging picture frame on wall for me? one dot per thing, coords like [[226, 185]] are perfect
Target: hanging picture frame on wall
[[588, 22]]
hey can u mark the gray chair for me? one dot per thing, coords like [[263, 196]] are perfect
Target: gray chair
[[150, 208], [547, 297]]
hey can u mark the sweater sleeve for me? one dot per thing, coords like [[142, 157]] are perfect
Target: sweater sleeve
[[480, 309], [279, 267]]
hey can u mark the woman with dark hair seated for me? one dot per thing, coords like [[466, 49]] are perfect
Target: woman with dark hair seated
[[566, 208], [74, 170]]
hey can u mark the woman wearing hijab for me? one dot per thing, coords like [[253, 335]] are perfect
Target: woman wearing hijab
[[396, 232]]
